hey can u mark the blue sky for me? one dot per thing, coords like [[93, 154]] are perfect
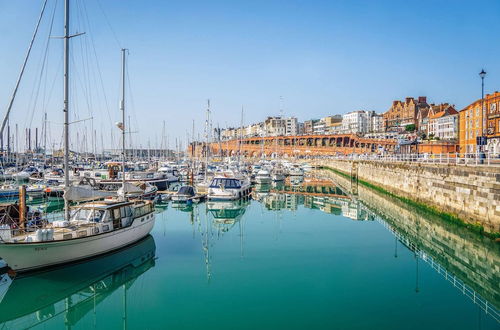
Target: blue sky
[[322, 57]]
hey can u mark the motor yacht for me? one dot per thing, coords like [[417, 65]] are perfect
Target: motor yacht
[[278, 174], [228, 187], [263, 177]]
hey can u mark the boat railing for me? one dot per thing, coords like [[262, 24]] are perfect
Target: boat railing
[[11, 227], [55, 228]]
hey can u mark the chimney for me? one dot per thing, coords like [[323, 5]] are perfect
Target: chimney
[[408, 99], [422, 99]]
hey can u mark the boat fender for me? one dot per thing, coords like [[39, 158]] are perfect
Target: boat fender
[[39, 235], [29, 239], [50, 234], [44, 234]]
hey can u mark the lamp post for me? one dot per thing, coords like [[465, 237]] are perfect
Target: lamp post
[[482, 74]]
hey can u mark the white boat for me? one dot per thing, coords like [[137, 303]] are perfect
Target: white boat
[[169, 173], [296, 170], [263, 177], [278, 174], [225, 187], [26, 173], [93, 229]]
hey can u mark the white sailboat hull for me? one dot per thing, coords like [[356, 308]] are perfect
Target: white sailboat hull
[[30, 256]]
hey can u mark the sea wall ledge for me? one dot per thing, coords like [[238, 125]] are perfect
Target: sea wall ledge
[[468, 193]]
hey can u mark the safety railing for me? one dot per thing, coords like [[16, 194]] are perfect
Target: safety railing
[[466, 290], [487, 159]]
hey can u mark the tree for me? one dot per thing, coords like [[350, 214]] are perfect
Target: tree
[[410, 128]]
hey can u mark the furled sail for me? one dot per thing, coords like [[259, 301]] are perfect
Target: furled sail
[[78, 194]]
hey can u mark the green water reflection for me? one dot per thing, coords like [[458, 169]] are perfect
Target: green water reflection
[[302, 256]]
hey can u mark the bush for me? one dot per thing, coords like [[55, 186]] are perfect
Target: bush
[[410, 128]]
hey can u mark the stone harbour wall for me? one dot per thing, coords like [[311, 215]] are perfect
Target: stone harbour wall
[[469, 193]]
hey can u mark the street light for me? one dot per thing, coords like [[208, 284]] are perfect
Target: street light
[[482, 74]]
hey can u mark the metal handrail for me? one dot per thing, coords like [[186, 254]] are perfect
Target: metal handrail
[[476, 298], [484, 159]]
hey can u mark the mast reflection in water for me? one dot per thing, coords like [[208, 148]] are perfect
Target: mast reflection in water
[[73, 290], [305, 255]]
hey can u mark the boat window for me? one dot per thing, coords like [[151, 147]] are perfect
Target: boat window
[[116, 213], [141, 210], [186, 191], [91, 215], [106, 217], [125, 211], [226, 183], [231, 183]]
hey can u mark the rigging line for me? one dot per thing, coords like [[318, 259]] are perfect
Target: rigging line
[[96, 67], [85, 92], [42, 70], [85, 58], [109, 24], [56, 77], [132, 104], [22, 69], [92, 43], [44, 99]]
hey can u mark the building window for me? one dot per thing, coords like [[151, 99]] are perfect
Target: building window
[[493, 107]]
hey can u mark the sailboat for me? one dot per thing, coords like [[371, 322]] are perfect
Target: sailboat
[[89, 230]]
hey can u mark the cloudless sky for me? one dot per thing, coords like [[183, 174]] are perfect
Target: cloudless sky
[[322, 57]]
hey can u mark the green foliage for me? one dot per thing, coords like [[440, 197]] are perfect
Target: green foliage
[[410, 128]]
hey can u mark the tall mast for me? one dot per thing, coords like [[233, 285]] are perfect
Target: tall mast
[[122, 108], [207, 127], [240, 138], [66, 105], [45, 138]]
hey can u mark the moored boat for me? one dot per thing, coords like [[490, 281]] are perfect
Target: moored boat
[[93, 229], [228, 188], [263, 177]]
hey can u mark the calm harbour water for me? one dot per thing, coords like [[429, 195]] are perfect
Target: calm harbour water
[[284, 261]]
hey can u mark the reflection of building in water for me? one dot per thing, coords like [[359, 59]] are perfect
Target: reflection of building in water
[[328, 198], [346, 207], [293, 201], [278, 201], [356, 211], [467, 260], [73, 290]]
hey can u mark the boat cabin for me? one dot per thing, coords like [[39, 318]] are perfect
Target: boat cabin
[[226, 183], [115, 215]]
